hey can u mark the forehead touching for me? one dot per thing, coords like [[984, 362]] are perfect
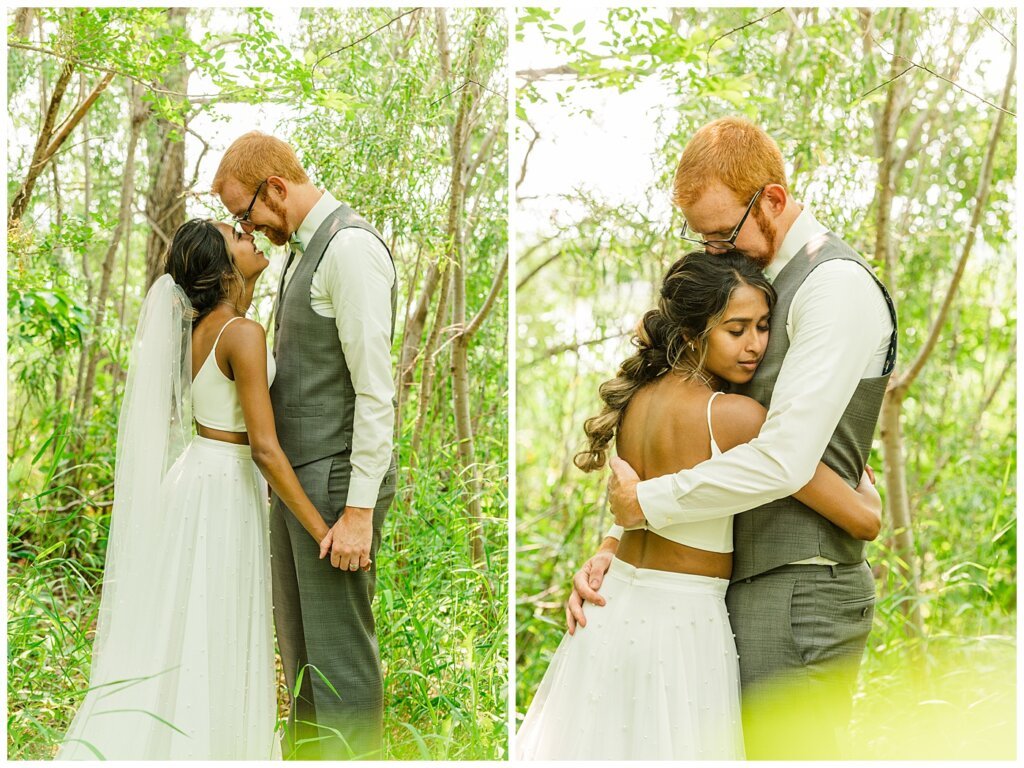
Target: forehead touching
[[234, 196]]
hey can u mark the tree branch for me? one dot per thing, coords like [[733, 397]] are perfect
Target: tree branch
[[492, 295], [539, 74], [199, 160], [993, 28], [533, 272], [368, 35], [23, 196], [76, 117], [464, 85], [202, 98], [907, 379], [707, 53], [933, 73], [882, 85], [526, 157], [575, 346]]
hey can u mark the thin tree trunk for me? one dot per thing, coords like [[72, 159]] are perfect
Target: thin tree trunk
[[138, 115], [885, 134], [429, 364], [415, 324], [401, 383], [47, 145], [24, 194], [892, 435], [898, 503], [165, 201], [450, 257], [83, 354], [23, 22], [416, 320], [460, 352], [120, 373]]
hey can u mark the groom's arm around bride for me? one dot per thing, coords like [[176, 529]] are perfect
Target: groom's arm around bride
[[801, 597]]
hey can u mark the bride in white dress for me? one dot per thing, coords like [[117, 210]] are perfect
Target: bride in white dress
[[183, 660], [654, 674]]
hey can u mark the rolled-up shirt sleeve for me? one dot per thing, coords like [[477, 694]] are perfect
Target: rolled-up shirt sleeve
[[837, 321], [357, 275]]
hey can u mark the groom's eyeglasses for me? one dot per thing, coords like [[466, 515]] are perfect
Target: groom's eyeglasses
[[723, 245], [242, 224]]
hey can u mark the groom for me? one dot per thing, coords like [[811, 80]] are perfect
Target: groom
[[334, 414], [801, 598]]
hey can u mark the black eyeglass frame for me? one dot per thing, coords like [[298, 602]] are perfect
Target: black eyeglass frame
[[723, 245], [240, 222]]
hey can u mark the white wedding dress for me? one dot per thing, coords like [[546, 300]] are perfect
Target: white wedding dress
[[654, 675], [183, 661]]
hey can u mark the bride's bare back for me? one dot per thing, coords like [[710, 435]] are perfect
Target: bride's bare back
[[663, 431]]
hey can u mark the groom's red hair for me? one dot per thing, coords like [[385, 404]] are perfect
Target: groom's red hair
[[253, 157], [733, 151]]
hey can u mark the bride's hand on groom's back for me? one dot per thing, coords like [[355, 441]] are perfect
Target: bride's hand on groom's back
[[585, 585]]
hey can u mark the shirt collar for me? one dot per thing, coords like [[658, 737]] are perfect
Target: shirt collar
[[800, 233], [315, 218]]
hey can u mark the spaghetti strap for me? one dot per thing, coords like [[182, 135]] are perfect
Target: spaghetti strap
[[221, 331], [711, 432], [212, 354]]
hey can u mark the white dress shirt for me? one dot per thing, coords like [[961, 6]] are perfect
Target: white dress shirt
[[352, 284], [839, 330]]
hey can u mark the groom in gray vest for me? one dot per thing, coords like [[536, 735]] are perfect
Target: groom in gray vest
[[801, 597], [334, 411]]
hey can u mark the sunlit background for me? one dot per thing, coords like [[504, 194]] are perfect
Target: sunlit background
[[606, 99]]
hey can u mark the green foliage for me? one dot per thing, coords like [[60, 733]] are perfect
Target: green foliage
[[371, 119], [806, 75]]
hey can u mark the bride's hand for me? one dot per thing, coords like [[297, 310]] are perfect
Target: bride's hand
[[866, 488], [585, 584], [326, 542]]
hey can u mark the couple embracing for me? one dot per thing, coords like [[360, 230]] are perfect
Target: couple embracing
[[731, 602], [200, 567]]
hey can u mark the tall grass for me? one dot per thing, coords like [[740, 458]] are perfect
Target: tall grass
[[441, 621]]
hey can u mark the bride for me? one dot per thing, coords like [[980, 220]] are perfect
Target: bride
[[183, 660], [654, 674]]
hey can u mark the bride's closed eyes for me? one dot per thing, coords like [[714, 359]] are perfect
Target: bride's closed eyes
[[763, 328]]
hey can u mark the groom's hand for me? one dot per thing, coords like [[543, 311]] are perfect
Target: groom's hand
[[622, 494], [352, 535]]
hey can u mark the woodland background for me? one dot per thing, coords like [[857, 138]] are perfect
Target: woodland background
[[116, 121], [899, 130]]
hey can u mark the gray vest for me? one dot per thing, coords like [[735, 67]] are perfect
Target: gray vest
[[784, 531], [314, 402]]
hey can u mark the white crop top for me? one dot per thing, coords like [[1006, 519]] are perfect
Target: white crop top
[[713, 535], [215, 402]]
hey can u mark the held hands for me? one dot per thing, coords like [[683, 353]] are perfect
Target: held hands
[[622, 494], [348, 542]]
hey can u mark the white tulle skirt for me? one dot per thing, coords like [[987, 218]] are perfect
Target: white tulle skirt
[[188, 672], [653, 676]]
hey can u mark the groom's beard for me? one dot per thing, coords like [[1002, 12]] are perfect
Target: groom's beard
[[771, 236], [275, 234]]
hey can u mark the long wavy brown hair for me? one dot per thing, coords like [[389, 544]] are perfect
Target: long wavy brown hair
[[671, 337]]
